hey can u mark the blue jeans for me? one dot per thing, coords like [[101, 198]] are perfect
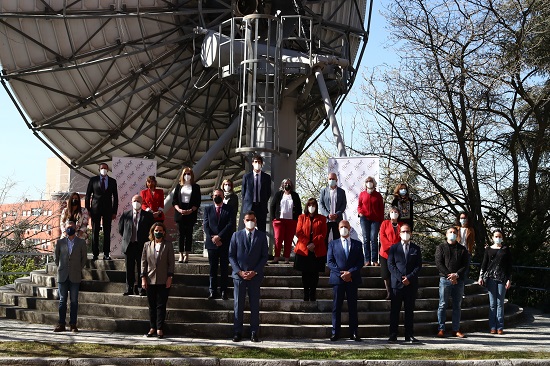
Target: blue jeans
[[497, 290], [370, 239], [64, 288], [456, 292]]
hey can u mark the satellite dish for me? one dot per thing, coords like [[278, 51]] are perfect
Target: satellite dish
[[96, 79]]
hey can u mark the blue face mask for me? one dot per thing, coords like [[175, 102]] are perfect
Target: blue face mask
[[70, 231]]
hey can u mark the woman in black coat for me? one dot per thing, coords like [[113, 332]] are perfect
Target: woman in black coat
[[285, 208], [186, 202]]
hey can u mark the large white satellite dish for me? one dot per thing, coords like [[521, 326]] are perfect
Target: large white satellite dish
[[101, 78]]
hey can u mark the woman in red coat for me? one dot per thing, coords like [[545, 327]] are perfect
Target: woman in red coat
[[153, 199], [389, 235], [311, 248], [370, 209]]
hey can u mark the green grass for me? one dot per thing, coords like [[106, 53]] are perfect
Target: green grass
[[86, 350]]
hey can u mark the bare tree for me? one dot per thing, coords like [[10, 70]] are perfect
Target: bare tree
[[465, 114]]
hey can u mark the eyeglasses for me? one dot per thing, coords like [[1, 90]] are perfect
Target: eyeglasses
[[405, 231]]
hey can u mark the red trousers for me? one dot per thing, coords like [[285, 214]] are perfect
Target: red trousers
[[284, 231]]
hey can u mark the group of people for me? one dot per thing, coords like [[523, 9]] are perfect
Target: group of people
[[386, 243]]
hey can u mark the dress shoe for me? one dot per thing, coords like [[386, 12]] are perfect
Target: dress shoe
[[334, 338], [355, 337], [107, 258], [254, 337], [441, 334], [127, 293], [151, 333], [224, 295], [142, 292], [493, 331], [73, 327], [160, 334], [59, 328], [376, 264], [313, 295], [411, 340], [237, 337], [136, 290], [392, 339], [500, 331], [458, 334], [213, 295]]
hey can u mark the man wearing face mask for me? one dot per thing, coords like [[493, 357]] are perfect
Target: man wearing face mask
[[345, 260], [256, 191], [404, 263], [248, 256], [218, 227], [134, 227], [451, 259], [102, 204], [70, 258], [332, 204]]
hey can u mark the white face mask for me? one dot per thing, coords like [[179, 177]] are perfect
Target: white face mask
[[369, 185], [332, 182], [226, 187], [187, 177], [405, 236], [103, 171], [451, 236], [311, 209], [344, 231], [497, 241], [394, 215], [136, 205], [257, 166], [402, 192], [463, 222], [250, 225]]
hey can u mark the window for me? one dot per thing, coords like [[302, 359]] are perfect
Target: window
[[36, 211]]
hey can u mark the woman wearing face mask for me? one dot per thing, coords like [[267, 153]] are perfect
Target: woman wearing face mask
[[157, 271], [466, 235], [311, 248], [230, 198], [76, 213], [389, 235], [286, 208], [370, 209], [496, 274], [186, 202], [153, 199], [404, 204]]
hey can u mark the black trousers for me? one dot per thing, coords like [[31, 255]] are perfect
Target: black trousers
[[218, 256], [157, 297], [407, 296], [310, 281], [133, 261], [261, 215], [185, 242], [332, 226], [96, 225]]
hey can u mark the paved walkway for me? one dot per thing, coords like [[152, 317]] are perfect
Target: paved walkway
[[532, 335]]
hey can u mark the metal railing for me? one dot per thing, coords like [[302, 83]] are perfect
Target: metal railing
[[3, 254]]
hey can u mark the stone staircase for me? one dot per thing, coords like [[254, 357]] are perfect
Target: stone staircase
[[283, 313]]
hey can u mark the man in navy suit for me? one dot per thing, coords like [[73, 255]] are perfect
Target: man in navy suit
[[332, 204], [218, 227], [345, 260], [134, 226], [404, 263], [102, 204], [256, 191], [248, 256]]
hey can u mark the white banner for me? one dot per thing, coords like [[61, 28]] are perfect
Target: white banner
[[131, 175], [352, 172]]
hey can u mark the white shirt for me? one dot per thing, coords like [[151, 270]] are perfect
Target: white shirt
[[332, 202], [286, 206], [463, 236], [185, 191]]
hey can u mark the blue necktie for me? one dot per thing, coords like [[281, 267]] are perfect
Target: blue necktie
[[347, 248]]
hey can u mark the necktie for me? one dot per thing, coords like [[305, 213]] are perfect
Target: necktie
[[249, 240], [134, 229], [347, 248], [406, 249], [218, 211], [103, 183], [256, 188]]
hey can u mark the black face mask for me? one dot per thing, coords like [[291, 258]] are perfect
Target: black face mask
[[74, 202], [287, 188], [218, 200]]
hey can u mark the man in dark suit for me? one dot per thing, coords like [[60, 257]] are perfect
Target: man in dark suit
[[70, 258], [256, 191], [248, 256], [102, 204], [332, 204], [345, 259], [218, 227], [134, 226], [404, 263]]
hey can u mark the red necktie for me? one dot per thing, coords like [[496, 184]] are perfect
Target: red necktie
[[218, 211]]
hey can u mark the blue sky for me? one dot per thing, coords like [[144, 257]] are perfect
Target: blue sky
[[24, 156]]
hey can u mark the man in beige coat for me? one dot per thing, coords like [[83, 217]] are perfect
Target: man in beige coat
[[70, 258]]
